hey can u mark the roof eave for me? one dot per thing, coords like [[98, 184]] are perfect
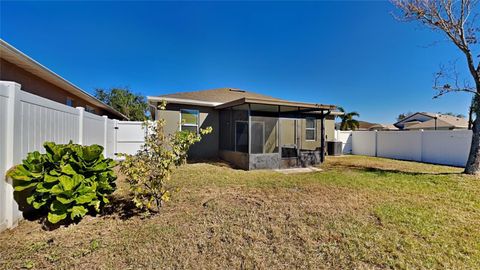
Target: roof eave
[[275, 103]]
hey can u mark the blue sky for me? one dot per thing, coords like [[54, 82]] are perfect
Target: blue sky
[[352, 54]]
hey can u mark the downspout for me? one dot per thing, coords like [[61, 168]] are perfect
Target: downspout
[[322, 134]]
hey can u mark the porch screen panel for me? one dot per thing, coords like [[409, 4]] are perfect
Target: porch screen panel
[[288, 137], [234, 129], [264, 135]]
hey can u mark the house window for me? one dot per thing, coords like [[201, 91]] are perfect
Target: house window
[[89, 109], [69, 102], [189, 120], [310, 129]]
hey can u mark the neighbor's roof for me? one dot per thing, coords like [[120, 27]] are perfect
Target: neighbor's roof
[[384, 127], [15, 56], [228, 97], [443, 121]]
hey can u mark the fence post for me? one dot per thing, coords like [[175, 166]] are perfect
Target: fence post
[[376, 143], [11, 206], [421, 145], [105, 130], [81, 111], [115, 141]]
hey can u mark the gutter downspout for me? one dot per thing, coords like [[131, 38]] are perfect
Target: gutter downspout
[[322, 134]]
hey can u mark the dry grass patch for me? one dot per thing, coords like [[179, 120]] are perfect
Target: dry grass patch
[[358, 213]]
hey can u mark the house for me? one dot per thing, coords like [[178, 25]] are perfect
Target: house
[[37, 79], [362, 125], [250, 130], [431, 121], [383, 127]]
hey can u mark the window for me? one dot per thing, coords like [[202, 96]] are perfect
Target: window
[[89, 109], [310, 129], [69, 102], [189, 120]]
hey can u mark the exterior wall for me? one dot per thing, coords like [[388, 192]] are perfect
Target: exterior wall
[[238, 159], [330, 128], [208, 146], [40, 87]]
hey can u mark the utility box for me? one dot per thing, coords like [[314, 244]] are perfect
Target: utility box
[[334, 148]]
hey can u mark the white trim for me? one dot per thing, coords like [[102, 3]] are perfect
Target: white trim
[[184, 101]]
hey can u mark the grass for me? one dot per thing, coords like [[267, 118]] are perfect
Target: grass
[[360, 212]]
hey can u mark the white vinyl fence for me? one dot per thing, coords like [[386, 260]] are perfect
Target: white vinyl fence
[[448, 147], [27, 121], [346, 138]]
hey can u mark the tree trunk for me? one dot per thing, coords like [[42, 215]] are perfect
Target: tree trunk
[[473, 163]]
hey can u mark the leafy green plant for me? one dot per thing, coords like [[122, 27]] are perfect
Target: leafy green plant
[[149, 171], [68, 180]]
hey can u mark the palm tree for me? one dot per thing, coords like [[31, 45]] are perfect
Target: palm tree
[[348, 123]]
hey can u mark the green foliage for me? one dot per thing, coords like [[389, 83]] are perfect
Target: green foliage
[[68, 180], [134, 106], [149, 171], [348, 123]]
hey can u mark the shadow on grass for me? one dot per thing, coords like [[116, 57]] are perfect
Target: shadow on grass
[[121, 207], [384, 171]]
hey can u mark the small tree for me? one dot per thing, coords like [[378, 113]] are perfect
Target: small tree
[[456, 19], [348, 123], [149, 171], [133, 106]]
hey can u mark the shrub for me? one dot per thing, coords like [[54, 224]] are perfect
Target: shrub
[[68, 180], [149, 171]]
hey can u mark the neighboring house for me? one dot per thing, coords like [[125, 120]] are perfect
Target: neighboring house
[[383, 127], [431, 121], [37, 79], [362, 125], [250, 130]]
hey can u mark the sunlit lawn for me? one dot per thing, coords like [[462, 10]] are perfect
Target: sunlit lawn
[[358, 213]]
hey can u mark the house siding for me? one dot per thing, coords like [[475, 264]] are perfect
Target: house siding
[[40, 87], [207, 148]]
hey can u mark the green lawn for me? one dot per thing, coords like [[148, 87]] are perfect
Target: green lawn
[[360, 212]]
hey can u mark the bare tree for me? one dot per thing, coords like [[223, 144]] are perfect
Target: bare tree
[[457, 20]]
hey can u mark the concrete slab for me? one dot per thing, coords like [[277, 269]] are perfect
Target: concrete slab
[[299, 170]]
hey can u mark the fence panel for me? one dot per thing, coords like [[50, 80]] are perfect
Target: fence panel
[[364, 143], [346, 138], [39, 120], [400, 145], [93, 129], [130, 136], [27, 121], [446, 147]]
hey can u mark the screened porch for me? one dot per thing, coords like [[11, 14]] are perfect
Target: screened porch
[[272, 136]]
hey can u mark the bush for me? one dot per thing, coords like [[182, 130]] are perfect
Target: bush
[[68, 181], [149, 171]]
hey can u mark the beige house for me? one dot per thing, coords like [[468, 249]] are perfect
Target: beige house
[[250, 130], [431, 121], [35, 78]]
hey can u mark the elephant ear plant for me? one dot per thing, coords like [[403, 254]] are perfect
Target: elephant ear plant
[[68, 181]]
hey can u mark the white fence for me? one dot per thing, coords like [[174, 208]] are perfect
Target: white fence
[[346, 138], [448, 147], [27, 121]]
